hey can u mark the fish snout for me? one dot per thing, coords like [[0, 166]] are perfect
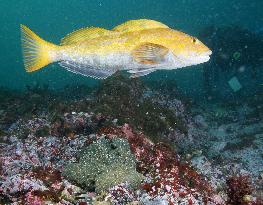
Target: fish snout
[[208, 53], [201, 57], [200, 53]]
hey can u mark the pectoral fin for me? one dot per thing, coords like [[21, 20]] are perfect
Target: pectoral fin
[[149, 53]]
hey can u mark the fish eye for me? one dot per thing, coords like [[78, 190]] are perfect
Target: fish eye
[[194, 40]]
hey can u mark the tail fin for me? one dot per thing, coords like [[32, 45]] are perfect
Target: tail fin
[[37, 53]]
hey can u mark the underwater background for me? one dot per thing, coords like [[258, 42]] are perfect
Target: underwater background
[[53, 20], [185, 136]]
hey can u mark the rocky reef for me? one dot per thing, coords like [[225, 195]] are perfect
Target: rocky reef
[[130, 102], [125, 144]]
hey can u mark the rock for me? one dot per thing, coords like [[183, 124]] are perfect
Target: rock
[[200, 121], [104, 159], [117, 174]]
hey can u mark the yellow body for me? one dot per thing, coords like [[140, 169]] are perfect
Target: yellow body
[[119, 42], [135, 44]]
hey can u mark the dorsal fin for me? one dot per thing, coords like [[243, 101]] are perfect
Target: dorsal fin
[[84, 34], [137, 25]]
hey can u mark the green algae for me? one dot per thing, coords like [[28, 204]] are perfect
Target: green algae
[[245, 141], [104, 159], [118, 97], [43, 131], [2, 133], [122, 98]]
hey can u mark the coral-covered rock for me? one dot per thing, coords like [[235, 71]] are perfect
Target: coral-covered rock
[[167, 177]]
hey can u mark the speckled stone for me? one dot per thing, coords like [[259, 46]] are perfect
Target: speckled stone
[[110, 160]]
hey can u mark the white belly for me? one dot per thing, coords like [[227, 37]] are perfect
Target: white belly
[[122, 61], [114, 61]]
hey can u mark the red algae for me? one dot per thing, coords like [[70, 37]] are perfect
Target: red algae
[[47, 174], [32, 168], [169, 176], [239, 191], [39, 197]]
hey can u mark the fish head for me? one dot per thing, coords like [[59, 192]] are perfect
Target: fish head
[[189, 50]]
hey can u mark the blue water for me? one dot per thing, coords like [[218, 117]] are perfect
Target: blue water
[[54, 19]]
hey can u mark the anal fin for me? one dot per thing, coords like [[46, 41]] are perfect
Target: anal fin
[[86, 70], [140, 73]]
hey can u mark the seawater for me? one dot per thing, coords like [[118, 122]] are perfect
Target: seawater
[[54, 19]]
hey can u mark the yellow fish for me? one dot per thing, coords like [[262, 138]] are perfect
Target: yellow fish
[[138, 46]]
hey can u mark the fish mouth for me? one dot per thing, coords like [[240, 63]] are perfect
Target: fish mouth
[[208, 53], [192, 59], [204, 57]]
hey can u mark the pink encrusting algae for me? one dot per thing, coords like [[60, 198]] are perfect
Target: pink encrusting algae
[[31, 167], [168, 177]]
